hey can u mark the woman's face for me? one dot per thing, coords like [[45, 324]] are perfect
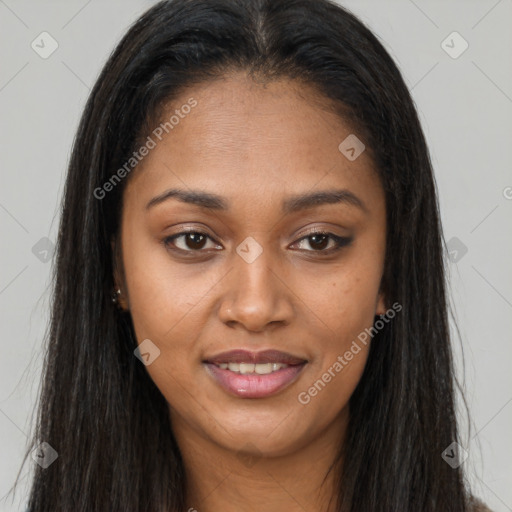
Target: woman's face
[[256, 277]]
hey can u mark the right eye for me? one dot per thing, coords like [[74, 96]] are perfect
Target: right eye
[[190, 241]]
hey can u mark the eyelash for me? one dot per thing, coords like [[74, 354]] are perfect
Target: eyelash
[[340, 242]]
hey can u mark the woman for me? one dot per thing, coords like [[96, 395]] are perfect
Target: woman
[[249, 309]]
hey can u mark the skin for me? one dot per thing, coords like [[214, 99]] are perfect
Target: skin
[[255, 145]]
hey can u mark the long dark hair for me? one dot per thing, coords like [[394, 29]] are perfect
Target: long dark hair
[[98, 407]]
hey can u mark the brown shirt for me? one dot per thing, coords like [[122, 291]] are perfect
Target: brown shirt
[[478, 506]]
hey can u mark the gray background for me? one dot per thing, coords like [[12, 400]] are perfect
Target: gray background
[[465, 104]]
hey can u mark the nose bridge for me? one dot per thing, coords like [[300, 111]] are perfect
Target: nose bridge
[[255, 297]]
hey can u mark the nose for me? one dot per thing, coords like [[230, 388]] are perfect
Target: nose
[[257, 296]]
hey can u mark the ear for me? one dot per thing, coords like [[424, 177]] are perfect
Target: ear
[[381, 304], [119, 279]]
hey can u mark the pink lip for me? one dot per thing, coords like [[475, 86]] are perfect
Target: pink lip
[[254, 385]]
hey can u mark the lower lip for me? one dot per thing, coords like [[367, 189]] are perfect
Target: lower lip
[[254, 385]]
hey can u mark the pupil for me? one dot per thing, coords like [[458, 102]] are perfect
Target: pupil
[[195, 239], [321, 244]]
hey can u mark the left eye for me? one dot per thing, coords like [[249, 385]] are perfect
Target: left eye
[[320, 240]]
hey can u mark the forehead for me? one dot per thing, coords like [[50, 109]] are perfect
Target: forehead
[[235, 117], [241, 136]]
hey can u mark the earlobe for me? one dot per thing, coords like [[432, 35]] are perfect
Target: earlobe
[[119, 294], [381, 304], [121, 300]]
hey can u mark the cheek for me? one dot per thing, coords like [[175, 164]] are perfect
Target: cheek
[[163, 295], [347, 309], [345, 306], [342, 302]]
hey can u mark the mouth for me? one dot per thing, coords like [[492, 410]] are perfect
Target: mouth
[[249, 374]]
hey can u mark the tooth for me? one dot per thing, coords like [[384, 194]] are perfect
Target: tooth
[[234, 367], [250, 368], [246, 368], [263, 369]]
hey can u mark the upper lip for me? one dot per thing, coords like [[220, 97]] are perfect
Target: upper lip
[[248, 356]]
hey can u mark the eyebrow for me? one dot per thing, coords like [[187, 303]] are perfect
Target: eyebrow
[[290, 205]]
